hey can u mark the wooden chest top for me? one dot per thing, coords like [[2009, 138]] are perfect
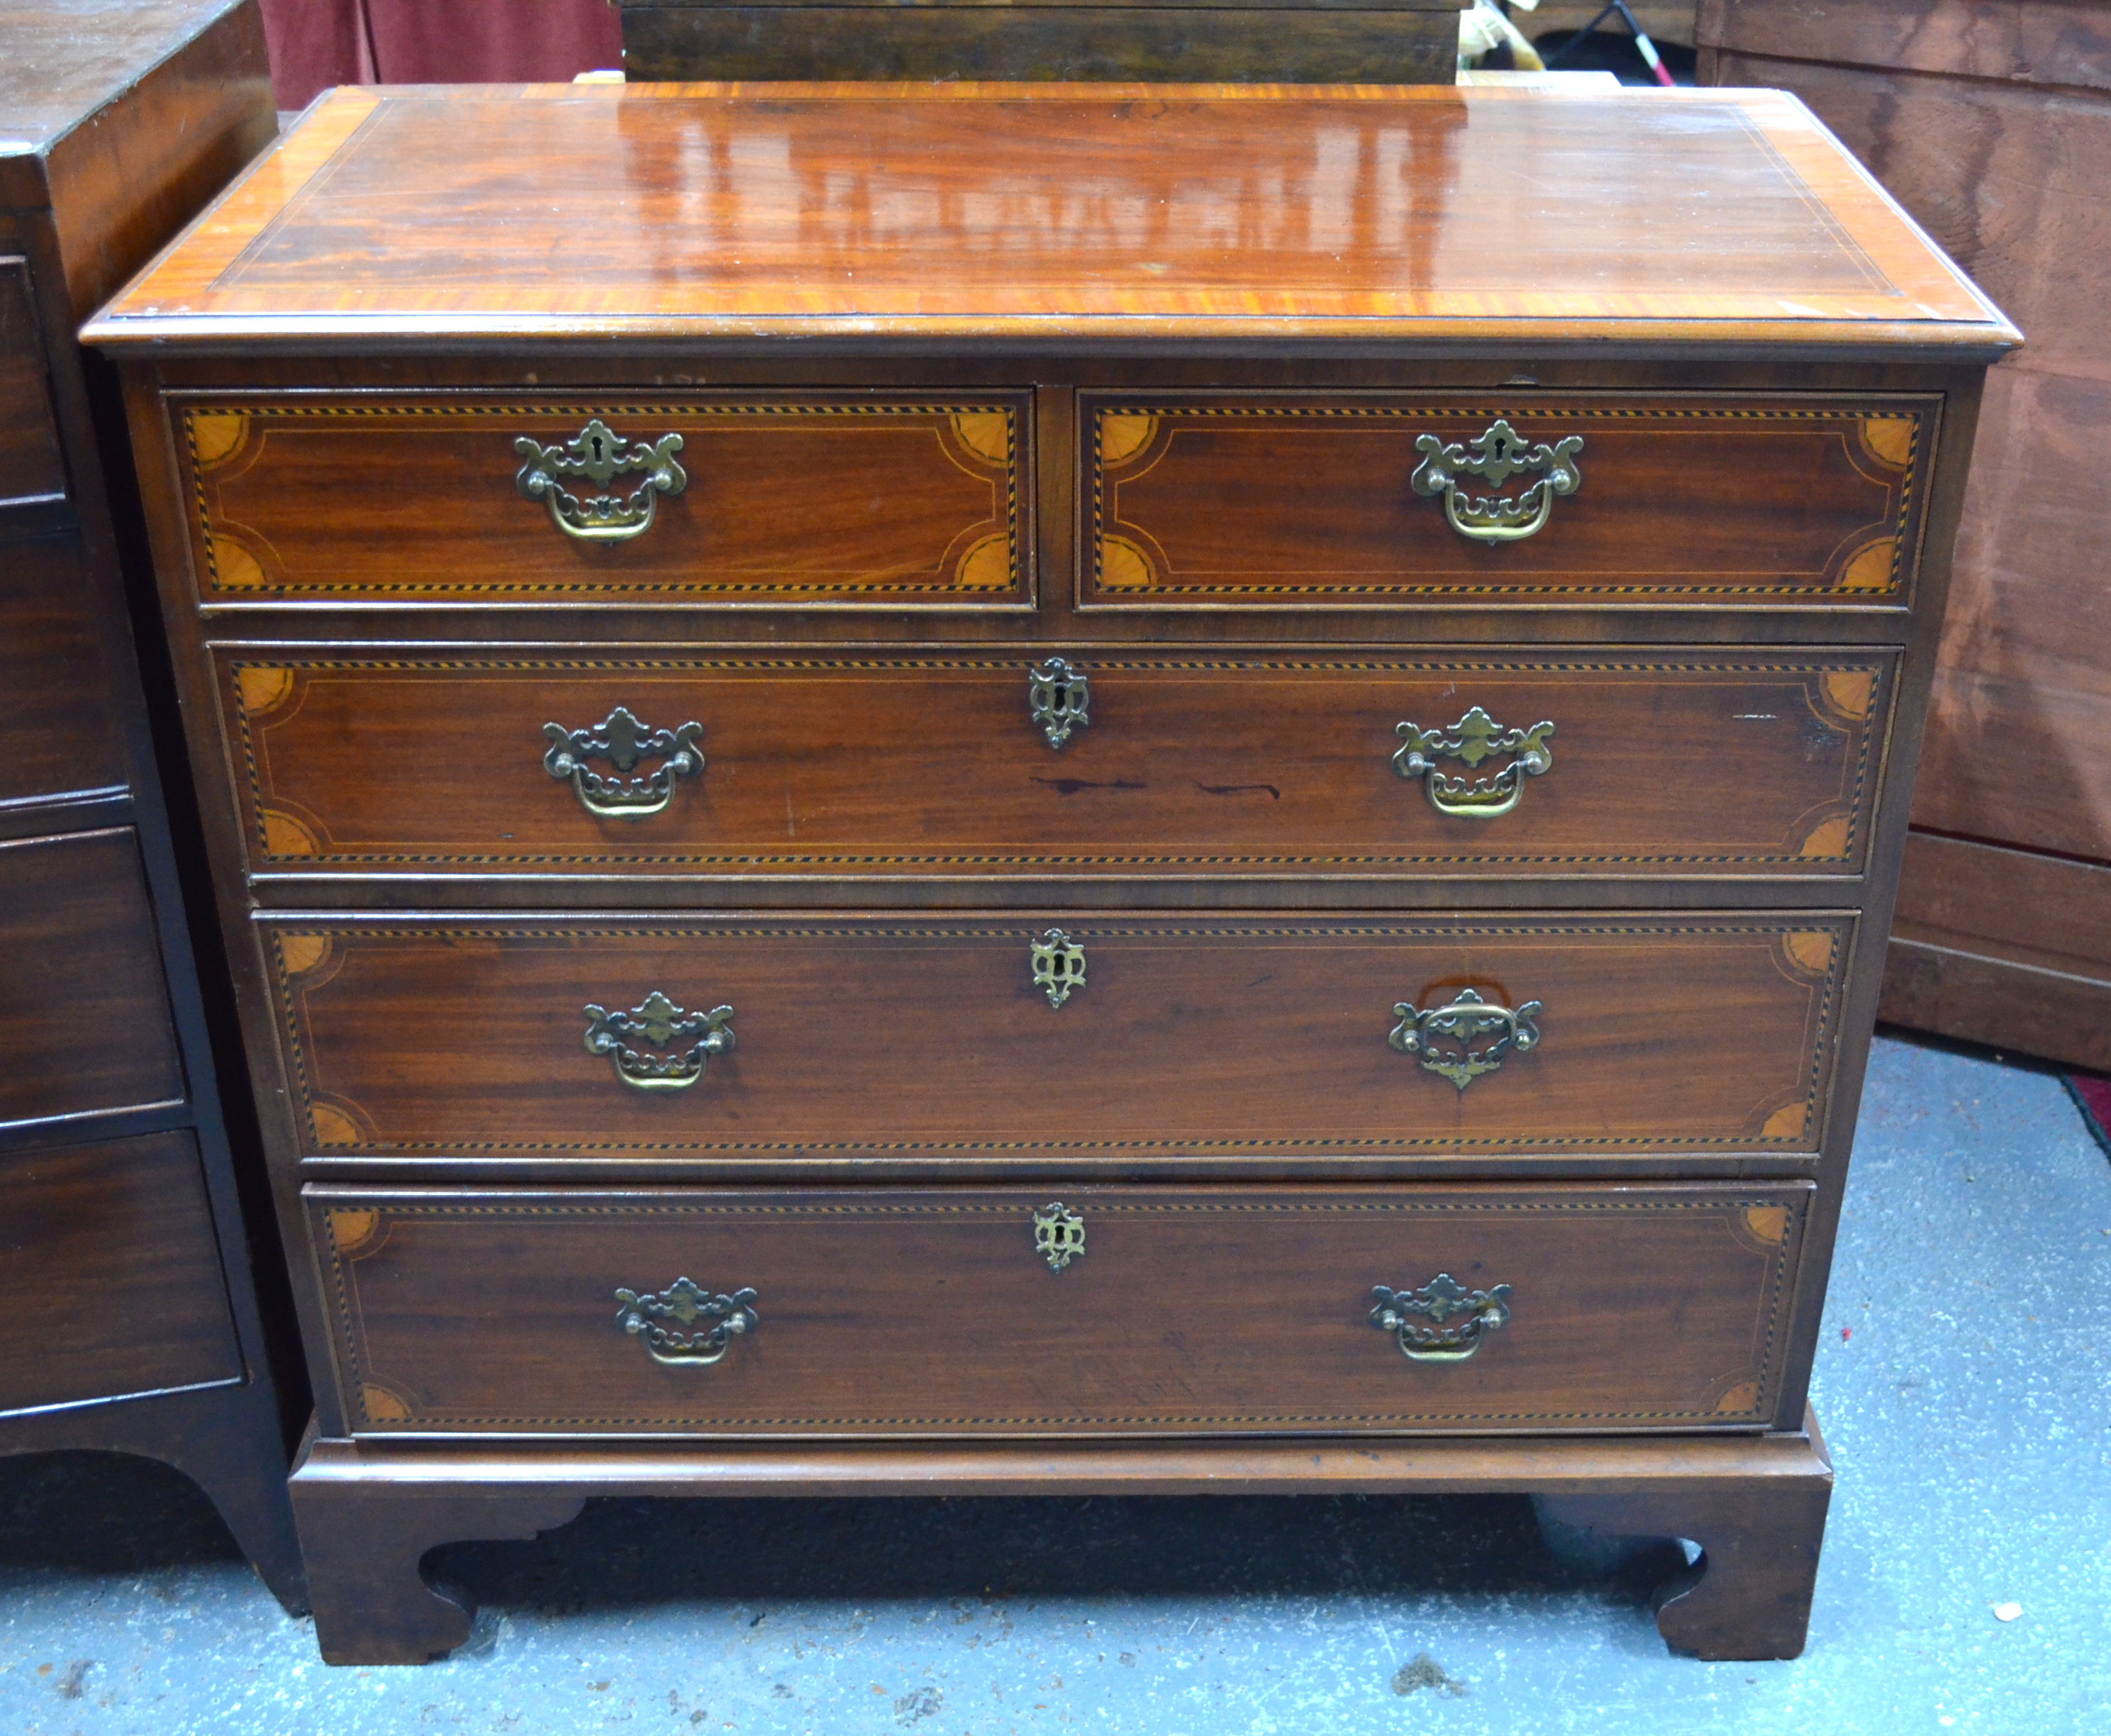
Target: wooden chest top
[[1650, 221]]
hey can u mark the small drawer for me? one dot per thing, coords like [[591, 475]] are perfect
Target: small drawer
[[1229, 765], [32, 466], [84, 1019], [109, 1277], [1112, 1039], [1607, 499], [783, 501], [61, 721], [1110, 1311]]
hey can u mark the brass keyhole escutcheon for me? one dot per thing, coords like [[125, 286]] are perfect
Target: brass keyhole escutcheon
[[1058, 1234], [1058, 965], [1058, 699]]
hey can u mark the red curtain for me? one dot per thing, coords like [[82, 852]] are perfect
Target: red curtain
[[316, 43]]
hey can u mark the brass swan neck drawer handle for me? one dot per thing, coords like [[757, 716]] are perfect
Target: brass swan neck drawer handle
[[1058, 699], [1442, 1322], [1474, 738], [1495, 455], [694, 1345], [1444, 1038], [659, 1022], [621, 740], [600, 455]]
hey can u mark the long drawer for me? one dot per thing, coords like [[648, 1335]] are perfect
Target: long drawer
[[85, 1024], [1223, 764], [1523, 498], [1316, 1310], [1116, 1038], [783, 498], [110, 1274]]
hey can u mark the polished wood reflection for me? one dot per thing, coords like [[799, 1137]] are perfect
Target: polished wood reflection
[[992, 209]]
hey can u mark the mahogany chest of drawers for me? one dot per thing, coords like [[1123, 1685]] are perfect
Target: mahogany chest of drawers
[[129, 1316], [1067, 787]]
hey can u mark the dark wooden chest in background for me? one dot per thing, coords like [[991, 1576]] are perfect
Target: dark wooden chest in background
[[127, 1316], [1288, 41], [1992, 126]]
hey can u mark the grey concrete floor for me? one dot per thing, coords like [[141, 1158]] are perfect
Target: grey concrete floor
[[1962, 1383]]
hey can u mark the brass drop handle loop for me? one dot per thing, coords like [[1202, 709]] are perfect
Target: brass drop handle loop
[[622, 741], [1495, 455], [1058, 698], [1442, 1322], [1471, 740], [1444, 1037], [600, 455], [660, 1023], [723, 1318]]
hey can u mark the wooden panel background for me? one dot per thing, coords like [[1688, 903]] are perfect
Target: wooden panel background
[[1993, 127]]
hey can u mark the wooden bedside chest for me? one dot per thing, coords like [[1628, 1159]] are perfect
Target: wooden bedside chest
[[981, 788]]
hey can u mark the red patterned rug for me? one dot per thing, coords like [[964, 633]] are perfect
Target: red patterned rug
[[2092, 1096]]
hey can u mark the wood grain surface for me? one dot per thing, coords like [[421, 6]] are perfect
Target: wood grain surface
[[1218, 1036], [84, 1019], [1188, 1310], [1224, 764], [1297, 501], [60, 717], [110, 1278], [31, 466], [1320, 43], [1066, 211], [787, 498], [1992, 126]]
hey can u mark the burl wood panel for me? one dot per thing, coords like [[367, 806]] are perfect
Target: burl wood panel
[[85, 1021], [1274, 213], [31, 467], [110, 1276], [786, 499], [1224, 764], [1315, 45], [1295, 502], [1209, 1036], [1187, 1311], [60, 719]]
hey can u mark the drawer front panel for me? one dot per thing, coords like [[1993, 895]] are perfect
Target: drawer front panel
[[1173, 1310], [1223, 764], [85, 1020], [60, 717], [941, 1037], [110, 1276], [785, 500], [1297, 503], [32, 468]]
